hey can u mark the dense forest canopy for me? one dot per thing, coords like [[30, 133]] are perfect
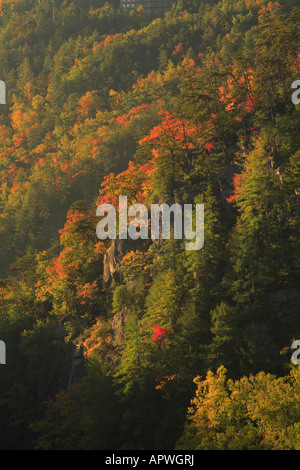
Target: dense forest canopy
[[123, 344]]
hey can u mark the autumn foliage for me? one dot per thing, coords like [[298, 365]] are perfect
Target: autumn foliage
[[141, 344]]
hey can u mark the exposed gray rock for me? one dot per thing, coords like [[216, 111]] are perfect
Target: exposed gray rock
[[115, 253], [118, 325], [77, 368], [112, 257]]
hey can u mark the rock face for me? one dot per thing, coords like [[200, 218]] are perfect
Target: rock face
[[118, 324], [77, 369], [115, 253], [112, 257]]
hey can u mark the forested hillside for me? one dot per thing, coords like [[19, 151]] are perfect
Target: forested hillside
[[142, 344]]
